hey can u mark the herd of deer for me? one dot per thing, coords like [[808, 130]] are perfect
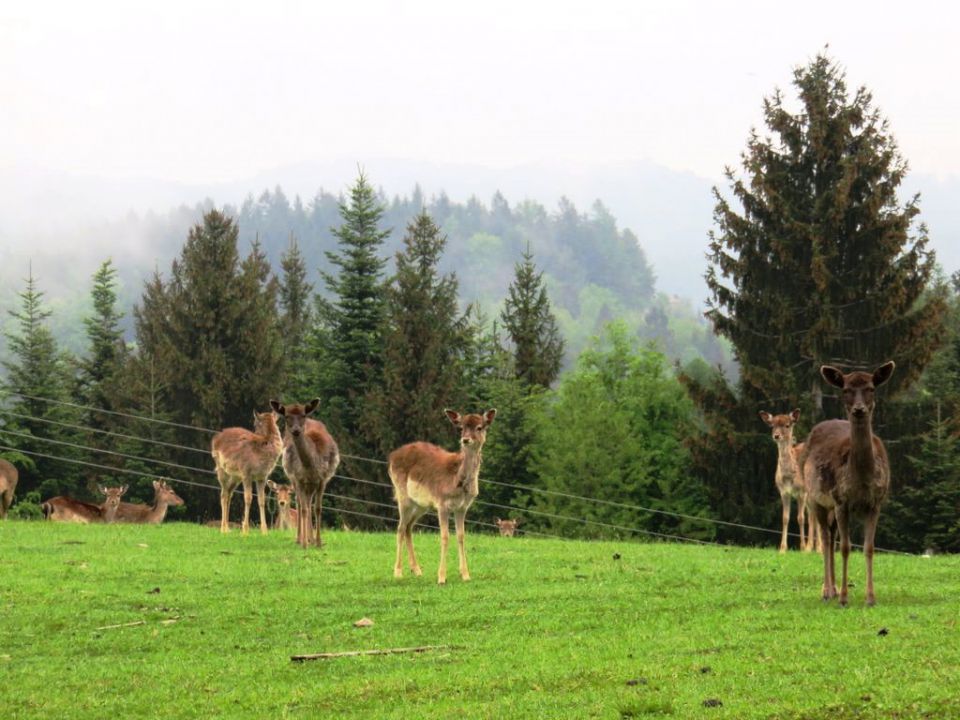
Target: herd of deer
[[839, 474]]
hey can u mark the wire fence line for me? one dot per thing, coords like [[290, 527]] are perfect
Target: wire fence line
[[513, 508]]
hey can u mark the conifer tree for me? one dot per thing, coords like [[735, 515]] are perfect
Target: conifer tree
[[817, 260], [531, 326], [425, 338], [295, 319]]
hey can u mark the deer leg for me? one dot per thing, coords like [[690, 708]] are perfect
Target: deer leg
[[802, 521], [302, 514], [401, 533], [869, 531], [843, 528], [444, 518], [225, 492], [828, 591], [408, 533], [319, 518], [247, 501], [262, 504], [785, 520], [460, 522], [813, 531]]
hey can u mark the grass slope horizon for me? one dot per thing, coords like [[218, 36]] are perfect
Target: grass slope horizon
[[546, 628]]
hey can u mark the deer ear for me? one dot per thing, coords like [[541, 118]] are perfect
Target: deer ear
[[883, 373], [766, 417], [277, 407], [489, 415], [311, 406], [272, 485], [795, 415], [497, 521], [123, 489], [454, 417], [157, 484], [832, 375]]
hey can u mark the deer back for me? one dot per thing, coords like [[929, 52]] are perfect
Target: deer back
[[241, 451], [67, 509], [426, 464]]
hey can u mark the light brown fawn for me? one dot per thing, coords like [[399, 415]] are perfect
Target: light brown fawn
[[310, 458], [848, 472], [428, 477], [66, 509], [163, 498], [246, 457], [286, 518], [8, 486], [789, 479], [508, 528]]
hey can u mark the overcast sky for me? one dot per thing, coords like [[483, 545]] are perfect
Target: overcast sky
[[203, 92]]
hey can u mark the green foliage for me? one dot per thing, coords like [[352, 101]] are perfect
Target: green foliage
[[27, 507], [818, 261], [546, 629], [295, 319], [614, 430], [532, 327]]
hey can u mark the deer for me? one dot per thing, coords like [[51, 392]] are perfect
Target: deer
[[310, 458], [508, 528], [66, 509], [141, 514], [9, 476], [848, 473], [286, 518], [789, 479], [427, 477], [242, 456]]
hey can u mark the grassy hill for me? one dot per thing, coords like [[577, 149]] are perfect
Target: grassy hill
[[546, 629]]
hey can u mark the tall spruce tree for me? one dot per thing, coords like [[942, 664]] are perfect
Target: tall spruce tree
[[817, 260], [532, 327], [211, 332], [296, 316], [425, 339], [37, 389]]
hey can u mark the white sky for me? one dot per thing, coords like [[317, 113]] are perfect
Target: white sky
[[205, 92]]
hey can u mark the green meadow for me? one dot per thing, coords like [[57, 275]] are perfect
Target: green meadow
[[546, 629]]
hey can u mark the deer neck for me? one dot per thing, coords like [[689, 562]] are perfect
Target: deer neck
[[786, 458], [468, 476], [303, 449], [862, 458]]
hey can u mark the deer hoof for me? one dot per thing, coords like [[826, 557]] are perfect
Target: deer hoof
[[416, 571]]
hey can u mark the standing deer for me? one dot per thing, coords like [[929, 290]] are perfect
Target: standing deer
[[425, 476], [66, 509], [8, 485], [508, 528], [848, 472], [163, 497], [310, 458], [246, 457], [286, 518], [789, 479]]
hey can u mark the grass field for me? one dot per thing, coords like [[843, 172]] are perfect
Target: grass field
[[546, 629]]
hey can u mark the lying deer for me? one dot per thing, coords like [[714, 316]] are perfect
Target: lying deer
[[310, 458], [8, 485], [66, 509], [286, 518], [246, 457], [508, 528], [163, 498], [789, 479], [848, 472], [428, 477]]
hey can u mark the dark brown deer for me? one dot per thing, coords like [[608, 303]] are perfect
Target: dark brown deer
[[8, 486], [246, 457], [163, 498], [310, 458], [286, 518], [789, 479], [428, 477], [508, 528], [848, 472], [66, 509]]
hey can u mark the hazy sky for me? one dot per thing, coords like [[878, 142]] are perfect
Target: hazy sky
[[204, 92]]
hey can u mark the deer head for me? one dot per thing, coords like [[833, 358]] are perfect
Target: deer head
[[165, 494], [295, 416], [858, 389], [264, 423], [284, 494], [473, 428], [782, 425], [507, 527], [113, 495]]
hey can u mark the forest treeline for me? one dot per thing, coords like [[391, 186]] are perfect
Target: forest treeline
[[391, 310]]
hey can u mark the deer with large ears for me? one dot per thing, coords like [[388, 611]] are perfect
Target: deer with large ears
[[310, 458], [848, 472], [427, 477], [789, 478]]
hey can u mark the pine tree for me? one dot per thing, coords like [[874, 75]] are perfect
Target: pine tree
[[36, 383], [295, 318], [529, 321], [817, 261], [425, 338]]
